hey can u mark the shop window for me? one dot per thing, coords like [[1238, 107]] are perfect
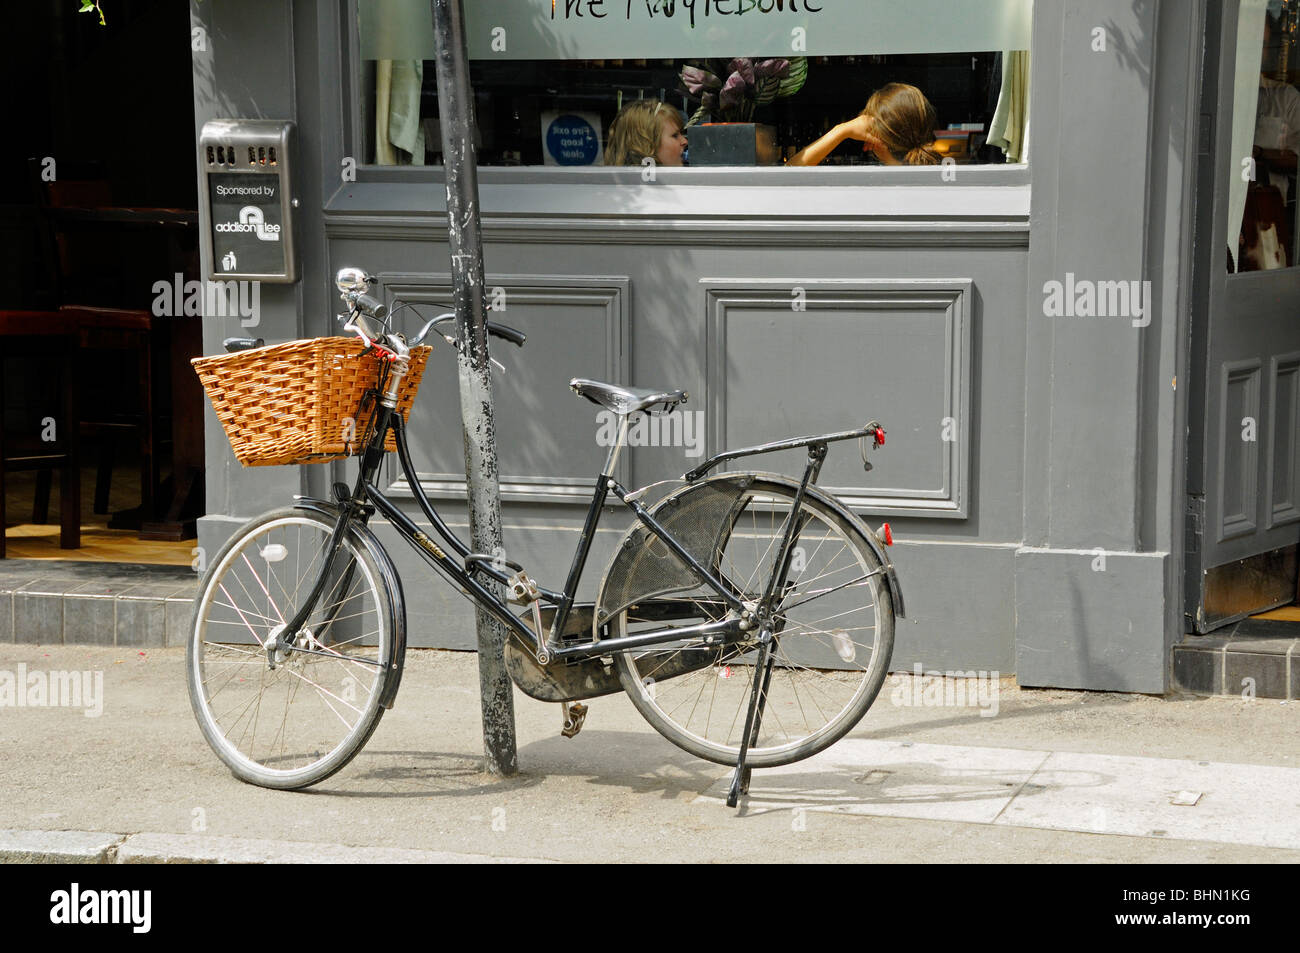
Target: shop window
[[747, 82], [1262, 208]]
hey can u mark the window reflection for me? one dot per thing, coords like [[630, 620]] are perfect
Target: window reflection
[[564, 112], [1268, 223]]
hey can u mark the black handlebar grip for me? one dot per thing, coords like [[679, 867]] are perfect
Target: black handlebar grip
[[241, 344], [516, 338], [372, 306]]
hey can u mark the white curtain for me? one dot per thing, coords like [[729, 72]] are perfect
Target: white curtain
[[1009, 130], [399, 134], [1245, 101]]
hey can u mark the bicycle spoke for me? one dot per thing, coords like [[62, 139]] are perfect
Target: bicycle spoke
[[258, 580], [241, 615], [859, 581]]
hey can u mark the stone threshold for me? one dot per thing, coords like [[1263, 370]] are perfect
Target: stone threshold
[[1259, 657], [62, 602]]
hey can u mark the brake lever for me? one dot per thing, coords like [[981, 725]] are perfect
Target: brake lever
[[456, 344], [419, 338]]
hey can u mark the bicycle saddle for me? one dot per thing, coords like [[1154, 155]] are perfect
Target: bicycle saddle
[[625, 400]]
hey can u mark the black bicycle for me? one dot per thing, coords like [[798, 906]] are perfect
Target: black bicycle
[[748, 616]]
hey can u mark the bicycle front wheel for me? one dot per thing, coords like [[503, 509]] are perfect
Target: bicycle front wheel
[[294, 720], [834, 635]]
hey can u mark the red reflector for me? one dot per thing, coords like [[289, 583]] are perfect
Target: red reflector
[[889, 535], [880, 437]]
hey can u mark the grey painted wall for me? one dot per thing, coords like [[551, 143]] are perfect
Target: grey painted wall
[[923, 302], [1112, 144]]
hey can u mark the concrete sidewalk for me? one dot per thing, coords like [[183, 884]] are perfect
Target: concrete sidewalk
[[1053, 776]]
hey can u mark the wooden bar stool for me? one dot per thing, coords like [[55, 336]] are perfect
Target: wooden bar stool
[[44, 336]]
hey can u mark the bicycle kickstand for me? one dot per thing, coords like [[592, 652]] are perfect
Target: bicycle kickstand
[[754, 718]]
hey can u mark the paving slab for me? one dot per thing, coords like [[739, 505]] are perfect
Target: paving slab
[[1176, 799], [896, 779], [1109, 794]]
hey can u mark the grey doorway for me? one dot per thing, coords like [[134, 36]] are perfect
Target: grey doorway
[[1243, 504]]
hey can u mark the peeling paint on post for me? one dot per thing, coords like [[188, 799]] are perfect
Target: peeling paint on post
[[456, 109]]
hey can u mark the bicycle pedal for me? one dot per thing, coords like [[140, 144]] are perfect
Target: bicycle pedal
[[575, 714], [522, 589]]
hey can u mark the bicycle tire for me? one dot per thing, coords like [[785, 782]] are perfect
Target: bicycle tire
[[677, 708], [230, 679]]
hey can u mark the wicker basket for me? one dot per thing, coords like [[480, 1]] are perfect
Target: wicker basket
[[300, 402]]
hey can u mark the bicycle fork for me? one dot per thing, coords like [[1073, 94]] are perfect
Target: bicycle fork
[[281, 645], [769, 630]]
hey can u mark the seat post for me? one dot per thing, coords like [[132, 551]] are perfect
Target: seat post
[[611, 459]]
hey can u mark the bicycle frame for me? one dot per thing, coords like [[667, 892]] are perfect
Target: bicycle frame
[[366, 497], [357, 506], [718, 632]]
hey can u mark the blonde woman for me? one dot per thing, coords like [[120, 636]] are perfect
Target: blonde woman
[[646, 129], [897, 125]]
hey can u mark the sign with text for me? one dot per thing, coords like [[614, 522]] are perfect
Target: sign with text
[[571, 138], [247, 231], [679, 29], [247, 200]]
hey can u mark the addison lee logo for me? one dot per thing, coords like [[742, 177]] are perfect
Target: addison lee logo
[[251, 220], [74, 906]]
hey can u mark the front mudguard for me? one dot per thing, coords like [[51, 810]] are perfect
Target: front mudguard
[[396, 599]]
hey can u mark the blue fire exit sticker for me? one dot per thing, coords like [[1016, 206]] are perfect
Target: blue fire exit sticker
[[571, 140]]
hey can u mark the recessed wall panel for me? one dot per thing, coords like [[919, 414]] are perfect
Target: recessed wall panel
[[548, 438], [789, 359]]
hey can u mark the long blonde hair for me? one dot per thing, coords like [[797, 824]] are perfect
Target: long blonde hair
[[904, 120], [636, 131]]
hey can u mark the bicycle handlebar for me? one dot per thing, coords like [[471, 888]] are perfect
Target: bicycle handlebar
[[364, 307], [371, 306], [360, 323], [241, 344], [515, 337], [506, 333]]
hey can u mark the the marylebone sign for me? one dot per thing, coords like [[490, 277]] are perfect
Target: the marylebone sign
[[600, 29]]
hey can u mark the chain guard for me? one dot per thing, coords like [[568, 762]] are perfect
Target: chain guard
[[561, 680]]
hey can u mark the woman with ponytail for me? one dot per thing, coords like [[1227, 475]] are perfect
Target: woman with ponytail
[[897, 125], [646, 129]]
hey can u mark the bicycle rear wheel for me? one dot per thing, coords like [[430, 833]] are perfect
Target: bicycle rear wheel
[[834, 626], [297, 722]]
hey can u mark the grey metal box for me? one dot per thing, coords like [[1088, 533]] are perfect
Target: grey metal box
[[246, 167]]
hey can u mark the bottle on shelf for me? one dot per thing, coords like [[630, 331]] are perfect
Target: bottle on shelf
[[512, 145]]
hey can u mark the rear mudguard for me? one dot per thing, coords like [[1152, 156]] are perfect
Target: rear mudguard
[[396, 600], [820, 495]]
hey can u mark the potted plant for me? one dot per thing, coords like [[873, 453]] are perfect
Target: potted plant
[[729, 93]]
